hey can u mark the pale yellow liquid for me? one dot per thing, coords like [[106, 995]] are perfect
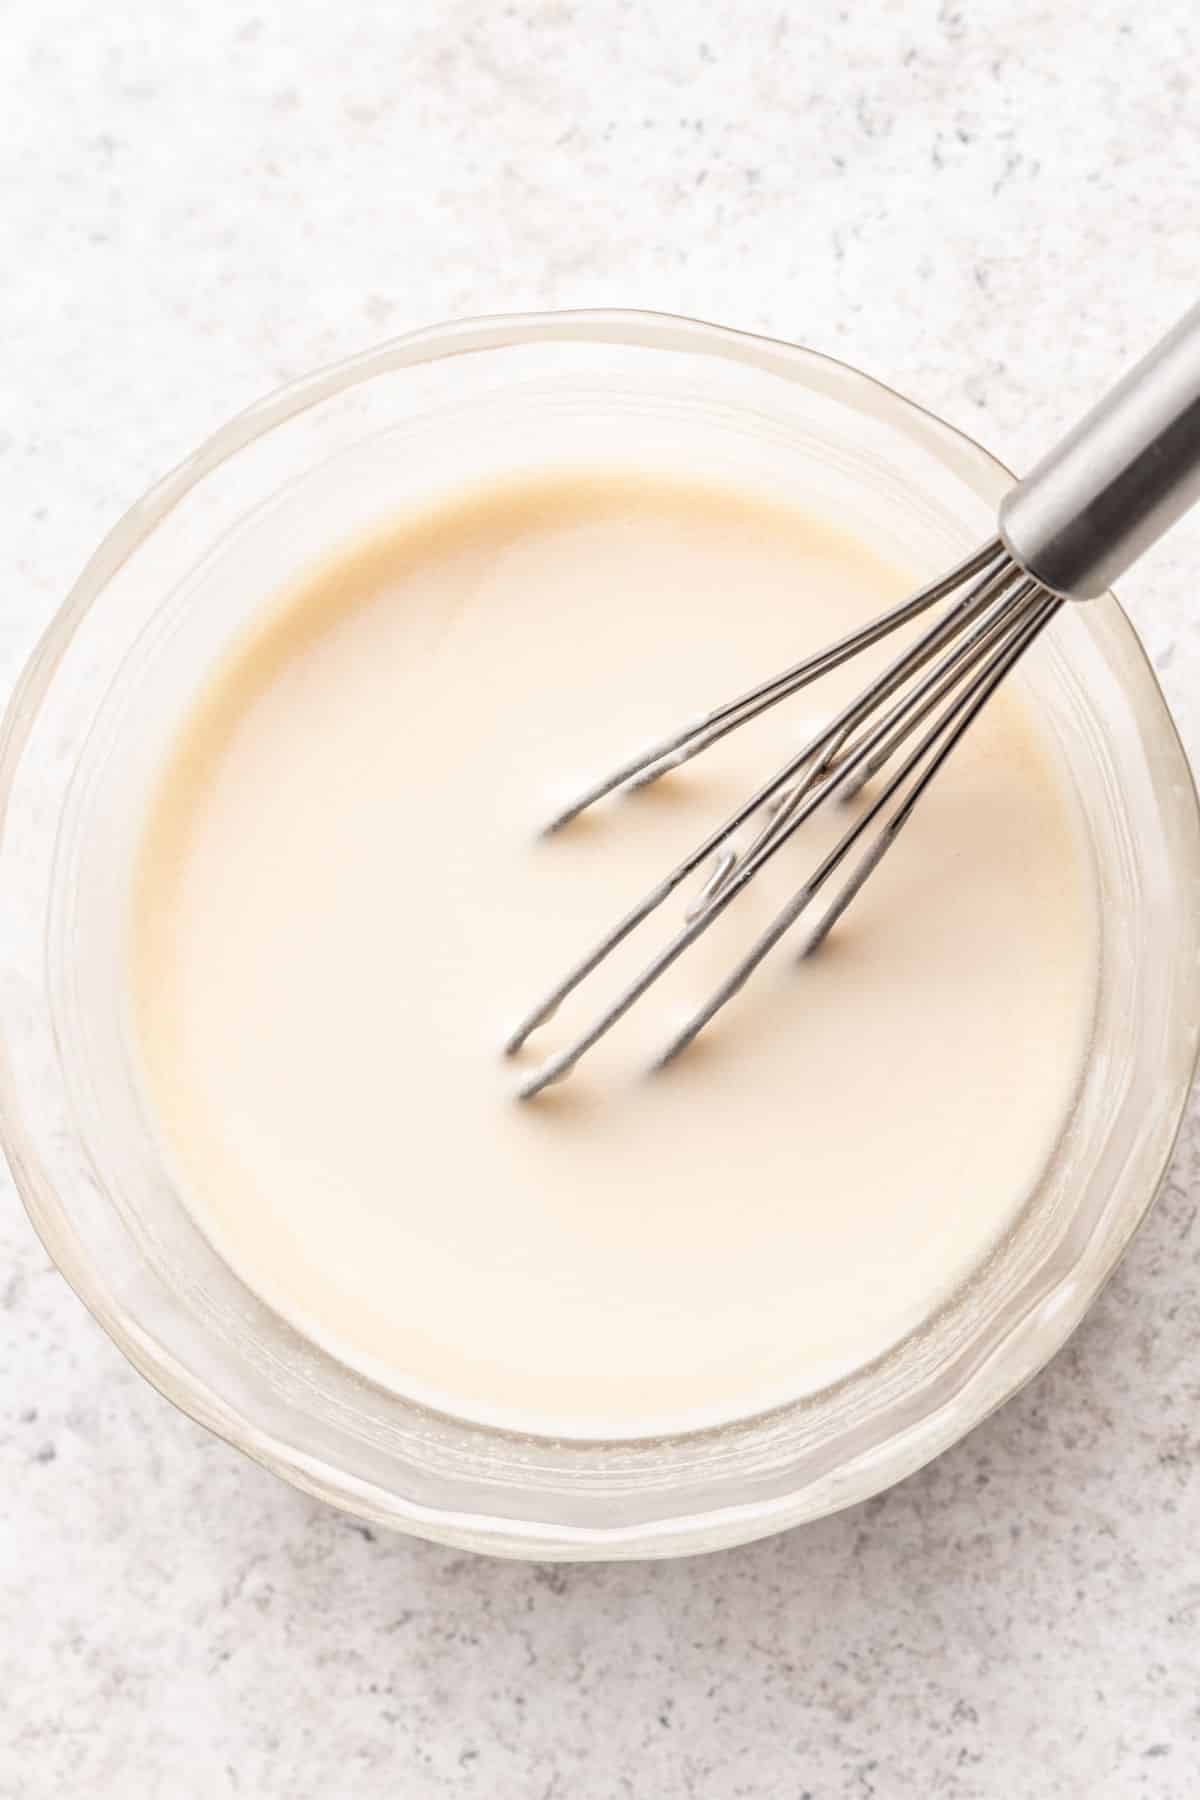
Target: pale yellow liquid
[[342, 905]]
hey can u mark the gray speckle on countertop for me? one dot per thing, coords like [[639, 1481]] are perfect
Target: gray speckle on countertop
[[991, 205]]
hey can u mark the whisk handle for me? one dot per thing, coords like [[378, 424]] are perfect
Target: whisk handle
[[1119, 480]]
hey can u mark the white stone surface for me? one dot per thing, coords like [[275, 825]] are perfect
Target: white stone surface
[[990, 203]]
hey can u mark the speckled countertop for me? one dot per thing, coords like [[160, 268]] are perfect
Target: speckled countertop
[[991, 205]]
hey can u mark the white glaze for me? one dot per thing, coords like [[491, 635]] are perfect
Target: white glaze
[[342, 904]]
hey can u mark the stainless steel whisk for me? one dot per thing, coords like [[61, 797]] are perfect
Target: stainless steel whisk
[[1089, 509]]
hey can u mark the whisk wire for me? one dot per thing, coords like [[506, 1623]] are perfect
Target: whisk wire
[[673, 751], [992, 579], [1004, 605], [1037, 608], [905, 716]]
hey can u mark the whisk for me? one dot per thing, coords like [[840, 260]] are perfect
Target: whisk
[[1089, 509]]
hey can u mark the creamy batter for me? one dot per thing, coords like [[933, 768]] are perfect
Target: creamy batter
[[342, 905]]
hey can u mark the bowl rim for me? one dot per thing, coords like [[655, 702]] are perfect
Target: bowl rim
[[932, 1427]]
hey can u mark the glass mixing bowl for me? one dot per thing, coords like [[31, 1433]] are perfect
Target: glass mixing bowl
[[161, 599]]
